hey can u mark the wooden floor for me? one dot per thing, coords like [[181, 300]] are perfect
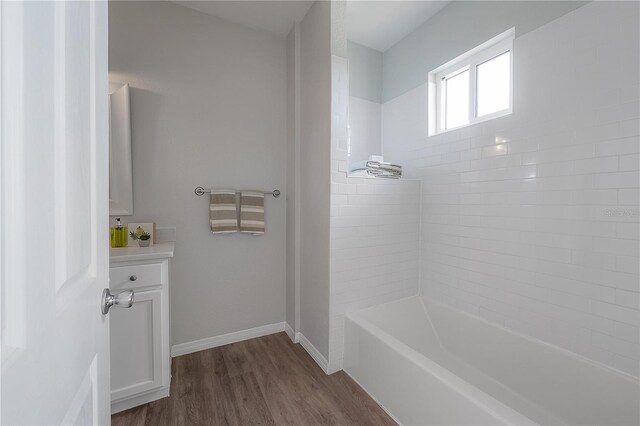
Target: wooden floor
[[266, 381]]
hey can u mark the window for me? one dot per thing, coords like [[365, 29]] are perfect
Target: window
[[456, 99], [474, 87]]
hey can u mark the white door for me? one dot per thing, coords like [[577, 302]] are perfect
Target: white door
[[54, 224]]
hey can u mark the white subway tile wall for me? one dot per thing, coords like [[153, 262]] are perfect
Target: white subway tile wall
[[530, 221], [374, 230]]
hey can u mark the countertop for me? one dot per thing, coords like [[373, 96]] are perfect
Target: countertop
[[156, 251]]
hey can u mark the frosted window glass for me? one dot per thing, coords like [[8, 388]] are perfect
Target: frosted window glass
[[457, 100], [493, 81]]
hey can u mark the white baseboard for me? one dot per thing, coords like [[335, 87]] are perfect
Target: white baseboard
[[225, 339], [264, 330], [334, 366], [134, 401], [295, 337], [315, 353]]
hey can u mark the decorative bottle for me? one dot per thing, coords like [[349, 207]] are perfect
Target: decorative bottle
[[119, 235]]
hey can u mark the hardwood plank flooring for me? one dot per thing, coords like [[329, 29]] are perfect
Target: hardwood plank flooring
[[263, 381]]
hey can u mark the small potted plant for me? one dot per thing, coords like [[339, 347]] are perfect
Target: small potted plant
[[143, 238]]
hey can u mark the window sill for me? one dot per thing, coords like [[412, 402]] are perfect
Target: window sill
[[480, 120]]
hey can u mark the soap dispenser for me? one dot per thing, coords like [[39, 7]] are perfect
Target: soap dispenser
[[119, 235]]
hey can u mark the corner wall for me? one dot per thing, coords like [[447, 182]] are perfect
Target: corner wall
[[314, 179], [365, 108], [293, 178], [365, 71]]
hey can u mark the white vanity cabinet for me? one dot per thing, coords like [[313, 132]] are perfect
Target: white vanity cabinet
[[140, 352]]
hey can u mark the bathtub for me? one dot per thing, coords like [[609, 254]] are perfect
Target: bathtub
[[428, 364]]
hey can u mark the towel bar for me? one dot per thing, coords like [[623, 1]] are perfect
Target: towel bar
[[201, 191]]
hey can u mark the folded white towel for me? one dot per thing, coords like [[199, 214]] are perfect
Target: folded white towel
[[384, 165], [376, 173], [360, 165]]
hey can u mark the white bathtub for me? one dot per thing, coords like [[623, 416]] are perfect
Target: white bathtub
[[433, 365]]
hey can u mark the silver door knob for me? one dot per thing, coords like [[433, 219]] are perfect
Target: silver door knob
[[123, 299]]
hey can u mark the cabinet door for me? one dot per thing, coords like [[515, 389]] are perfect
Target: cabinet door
[[136, 346]]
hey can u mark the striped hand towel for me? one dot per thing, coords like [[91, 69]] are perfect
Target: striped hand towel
[[252, 212], [223, 213]]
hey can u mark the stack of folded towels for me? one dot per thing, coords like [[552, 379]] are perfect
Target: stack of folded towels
[[376, 168]]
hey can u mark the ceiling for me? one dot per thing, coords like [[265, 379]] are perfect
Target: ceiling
[[273, 16], [372, 23], [381, 24]]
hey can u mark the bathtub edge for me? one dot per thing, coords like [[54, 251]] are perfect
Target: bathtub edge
[[446, 377]]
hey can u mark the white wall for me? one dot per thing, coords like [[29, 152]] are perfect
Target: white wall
[[293, 176], [404, 127], [208, 101], [365, 71], [531, 221], [457, 28], [315, 136], [365, 109], [365, 129]]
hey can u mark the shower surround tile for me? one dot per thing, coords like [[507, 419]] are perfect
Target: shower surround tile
[[530, 221], [374, 231]]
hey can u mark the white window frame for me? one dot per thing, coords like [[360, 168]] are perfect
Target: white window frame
[[469, 61]]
